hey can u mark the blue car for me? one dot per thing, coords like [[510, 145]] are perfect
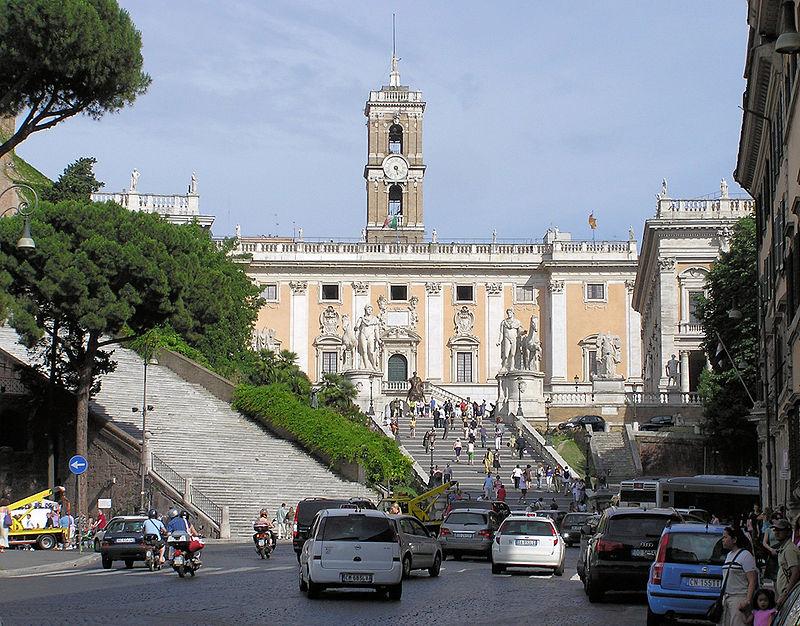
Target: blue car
[[686, 576]]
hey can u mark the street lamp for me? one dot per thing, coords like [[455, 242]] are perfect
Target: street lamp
[[144, 452], [371, 411], [547, 404], [575, 380], [588, 450], [23, 208], [520, 389]]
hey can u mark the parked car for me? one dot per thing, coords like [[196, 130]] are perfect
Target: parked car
[[361, 549], [579, 421], [527, 541], [789, 613], [123, 540], [686, 576], [501, 508], [468, 531], [588, 529], [695, 515], [658, 422], [306, 510], [554, 514], [419, 549], [619, 554], [571, 526]]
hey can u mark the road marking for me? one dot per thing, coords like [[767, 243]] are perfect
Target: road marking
[[574, 578], [233, 571], [461, 571], [278, 569], [106, 572]]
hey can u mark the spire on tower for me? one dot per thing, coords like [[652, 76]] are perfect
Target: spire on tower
[[394, 75]]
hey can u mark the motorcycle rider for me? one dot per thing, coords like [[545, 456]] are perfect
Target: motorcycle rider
[[154, 526], [264, 520], [189, 526]]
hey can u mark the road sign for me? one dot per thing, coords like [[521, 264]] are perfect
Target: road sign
[[78, 464]]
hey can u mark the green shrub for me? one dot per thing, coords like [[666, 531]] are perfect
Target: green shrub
[[327, 432]]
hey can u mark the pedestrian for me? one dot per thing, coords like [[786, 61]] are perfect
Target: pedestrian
[[471, 451], [5, 524], [539, 476], [426, 440], [740, 577], [523, 486], [501, 492], [288, 521], [557, 479], [446, 424], [457, 449], [553, 504], [516, 474], [496, 460], [280, 519], [498, 437], [412, 424], [447, 474], [520, 446], [788, 561], [763, 607], [488, 459], [567, 475], [488, 486], [548, 476], [771, 545], [483, 434]]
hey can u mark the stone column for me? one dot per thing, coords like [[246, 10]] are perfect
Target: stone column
[[494, 315], [434, 332], [684, 371], [557, 336], [298, 329], [668, 286], [634, 331]]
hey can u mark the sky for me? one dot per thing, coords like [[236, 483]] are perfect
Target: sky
[[537, 114]]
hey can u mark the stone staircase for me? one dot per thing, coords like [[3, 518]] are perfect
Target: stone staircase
[[229, 458], [611, 450]]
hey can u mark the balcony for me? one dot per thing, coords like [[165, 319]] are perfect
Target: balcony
[[691, 328]]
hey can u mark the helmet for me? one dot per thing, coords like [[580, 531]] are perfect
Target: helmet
[[173, 513], [152, 514], [185, 514]]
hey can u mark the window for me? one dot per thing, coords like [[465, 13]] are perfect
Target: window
[[397, 368], [330, 361], [330, 292], [595, 291], [395, 200], [591, 365], [398, 292], [269, 292], [464, 367], [396, 139], [359, 528], [694, 300], [464, 293], [525, 293]]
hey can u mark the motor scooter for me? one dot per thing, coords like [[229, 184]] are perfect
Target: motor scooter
[[262, 537], [185, 552], [152, 556]]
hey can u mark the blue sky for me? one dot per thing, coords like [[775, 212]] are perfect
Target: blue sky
[[537, 112]]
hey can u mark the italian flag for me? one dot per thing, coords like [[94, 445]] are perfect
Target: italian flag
[[390, 221]]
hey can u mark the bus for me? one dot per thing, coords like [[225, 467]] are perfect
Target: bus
[[641, 492], [725, 496]]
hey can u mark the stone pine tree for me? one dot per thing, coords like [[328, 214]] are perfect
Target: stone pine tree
[[64, 57], [99, 270], [77, 182], [732, 284]]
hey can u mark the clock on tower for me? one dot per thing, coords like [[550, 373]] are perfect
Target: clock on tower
[[394, 169]]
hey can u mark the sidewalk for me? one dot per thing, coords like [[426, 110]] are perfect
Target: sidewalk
[[19, 562]]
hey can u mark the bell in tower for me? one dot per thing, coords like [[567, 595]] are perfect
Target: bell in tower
[[394, 169]]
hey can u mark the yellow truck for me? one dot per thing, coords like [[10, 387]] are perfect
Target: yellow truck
[[428, 507], [29, 520]]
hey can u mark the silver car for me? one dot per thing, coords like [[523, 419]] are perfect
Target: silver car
[[419, 549], [468, 531]]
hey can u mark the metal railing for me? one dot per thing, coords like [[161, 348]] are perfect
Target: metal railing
[[169, 475], [207, 505]]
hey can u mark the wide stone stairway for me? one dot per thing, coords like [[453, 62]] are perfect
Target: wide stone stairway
[[231, 459], [614, 455]]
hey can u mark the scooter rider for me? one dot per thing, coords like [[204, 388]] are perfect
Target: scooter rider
[[154, 526], [264, 520]]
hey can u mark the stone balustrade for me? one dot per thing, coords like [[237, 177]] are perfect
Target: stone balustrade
[[690, 328], [673, 208], [164, 204]]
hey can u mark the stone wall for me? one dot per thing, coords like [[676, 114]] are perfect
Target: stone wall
[[671, 454]]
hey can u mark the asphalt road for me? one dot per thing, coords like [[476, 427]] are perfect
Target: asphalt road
[[236, 587]]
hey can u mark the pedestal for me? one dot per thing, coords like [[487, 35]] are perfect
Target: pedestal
[[521, 390], [610, 391], [362, 380]]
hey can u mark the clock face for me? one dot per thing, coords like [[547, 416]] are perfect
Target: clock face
[[395, 167]]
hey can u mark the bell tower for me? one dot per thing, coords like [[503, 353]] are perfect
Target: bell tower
[[394, 169]]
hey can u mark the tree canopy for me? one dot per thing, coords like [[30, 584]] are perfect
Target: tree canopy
[[77, 182], [99, 270], [64, 57], [732, 284]]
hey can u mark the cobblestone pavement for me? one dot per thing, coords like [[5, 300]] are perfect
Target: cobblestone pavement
[[236, 587]]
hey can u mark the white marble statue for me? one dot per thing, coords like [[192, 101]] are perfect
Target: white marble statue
[[193, 183], [434, 236], [609, 355], [510, 329], [530, 348], [664, 191], [238, 231], [348, 344], [673, 371], [367, 330], [723, 188], [134, 179]]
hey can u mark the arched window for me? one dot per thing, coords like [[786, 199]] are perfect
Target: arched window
[[395, 139], [395, 200], [397, 368]]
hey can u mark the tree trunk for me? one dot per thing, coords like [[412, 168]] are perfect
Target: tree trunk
[[85, 375]]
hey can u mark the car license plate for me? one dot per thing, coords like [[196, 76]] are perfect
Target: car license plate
[[708, 583], [643, 554], [463, 535], [576, 527], [126, 540], [261, 542], [356, 578], [527, 542]]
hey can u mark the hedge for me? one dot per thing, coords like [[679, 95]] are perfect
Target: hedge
[[327, 432]]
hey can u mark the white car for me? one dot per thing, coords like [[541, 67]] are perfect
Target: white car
[[528, 541], [352, 548]]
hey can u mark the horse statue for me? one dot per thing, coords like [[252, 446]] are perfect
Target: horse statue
[[530, 348]]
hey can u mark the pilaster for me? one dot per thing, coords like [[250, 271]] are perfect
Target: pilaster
[[298, 328], [557, 337], [494, 315], [668, 286], [634, 330], [434, 335]]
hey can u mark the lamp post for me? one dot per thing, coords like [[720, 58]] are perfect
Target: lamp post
[[547, 404], [144, 451], [588, 449], [371, 411], [575, 380], [520, 389], [24, 209]]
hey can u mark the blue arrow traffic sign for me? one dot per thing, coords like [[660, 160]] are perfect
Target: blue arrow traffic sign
[[78, 464]]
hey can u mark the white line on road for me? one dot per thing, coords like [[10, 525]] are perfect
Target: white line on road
[[233, 571], [461, 571]]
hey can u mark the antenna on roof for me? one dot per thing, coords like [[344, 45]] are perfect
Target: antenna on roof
[[394, 48], [394, 75]]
